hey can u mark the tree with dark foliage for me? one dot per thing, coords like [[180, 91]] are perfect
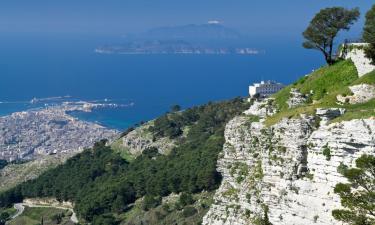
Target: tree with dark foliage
[[369, 34], [357, 196], [324, 28], [103, 185]]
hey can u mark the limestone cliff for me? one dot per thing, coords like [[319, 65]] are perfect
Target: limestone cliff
[[283, 170]]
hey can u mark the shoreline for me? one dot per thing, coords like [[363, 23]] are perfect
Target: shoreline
[[50, 130]]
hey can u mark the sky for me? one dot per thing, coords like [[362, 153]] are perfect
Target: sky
[[119, 17]]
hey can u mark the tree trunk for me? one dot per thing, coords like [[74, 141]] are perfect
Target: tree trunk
[[328, 58]]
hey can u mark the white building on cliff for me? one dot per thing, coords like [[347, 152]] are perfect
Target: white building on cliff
[[265, 89]]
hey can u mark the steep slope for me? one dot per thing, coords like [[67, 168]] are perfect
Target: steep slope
[[104, 186], [282, 169]]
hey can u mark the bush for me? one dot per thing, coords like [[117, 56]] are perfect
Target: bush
[[327, 152], [106, 219], [189, 211], [150, 202], [186, 199], [100, 182]]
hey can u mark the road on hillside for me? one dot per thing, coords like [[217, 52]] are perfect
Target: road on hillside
[[20, 207]]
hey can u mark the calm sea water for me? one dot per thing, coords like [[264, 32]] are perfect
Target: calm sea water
[[47, 66]]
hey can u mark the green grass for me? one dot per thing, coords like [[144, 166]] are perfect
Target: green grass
[[326, 83], [123, 151], [34, 215], [358, 111], [366, 79], [168, 213], [11, 211]]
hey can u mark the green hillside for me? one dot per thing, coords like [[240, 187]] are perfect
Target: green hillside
[[109, 186], [322, 86], [104, 186]]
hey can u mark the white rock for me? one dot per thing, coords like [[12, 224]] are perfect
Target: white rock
[[283, 168], [361, 93], [361, 62]]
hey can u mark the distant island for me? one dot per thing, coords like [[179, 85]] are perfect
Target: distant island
[[210, 38], [172, 47]]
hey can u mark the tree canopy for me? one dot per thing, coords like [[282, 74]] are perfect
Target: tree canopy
[[324, 28], [357, 196], [369, 34], [102, 184]]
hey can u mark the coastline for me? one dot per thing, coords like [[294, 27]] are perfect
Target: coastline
[[51, 130]]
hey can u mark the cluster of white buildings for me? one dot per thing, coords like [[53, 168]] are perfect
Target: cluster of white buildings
[[25, 135], [264, 89]]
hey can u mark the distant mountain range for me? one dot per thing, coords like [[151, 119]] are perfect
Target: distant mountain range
[[211, 38]]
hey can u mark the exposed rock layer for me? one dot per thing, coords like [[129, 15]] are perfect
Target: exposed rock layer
[[287, 171]]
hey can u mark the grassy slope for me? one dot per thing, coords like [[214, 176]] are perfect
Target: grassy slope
[[167, 213], [118, 147], [326, 83]]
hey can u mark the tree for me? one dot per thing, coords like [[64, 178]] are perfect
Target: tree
[[357, 196], [186, 199], [150, 202], [369, 34], [175, 108], [324, 28], [4, 217]]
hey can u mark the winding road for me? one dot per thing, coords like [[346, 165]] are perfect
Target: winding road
[[20, 207]]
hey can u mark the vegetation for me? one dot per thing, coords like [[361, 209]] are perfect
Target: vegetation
[[5, 215], [170, 212], [49, 216], [369, 34], [119, 148], [102, 184], [357, 196], [327, 152], [322, 87], [366, 79], [3, 163], [175, 108], [16, 173], [324, 28]]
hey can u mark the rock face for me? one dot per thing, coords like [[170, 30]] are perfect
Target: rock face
[[296, 98], [326, 115], [262, 108], [286, 172], [361, 93], [357, 55]]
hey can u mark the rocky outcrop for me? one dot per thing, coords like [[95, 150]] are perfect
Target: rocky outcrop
[[362, 93], [262, 108], [296, 98], [325, 115], [140, 139], [357, 54], [286, 173]]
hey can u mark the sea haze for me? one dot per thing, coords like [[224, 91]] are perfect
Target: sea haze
[[58, 65]]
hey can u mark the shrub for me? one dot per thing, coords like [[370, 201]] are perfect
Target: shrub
[[150, 202], [327, 152], [186, 199], [189, 211]]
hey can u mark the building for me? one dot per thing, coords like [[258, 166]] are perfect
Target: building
[[265, 89]]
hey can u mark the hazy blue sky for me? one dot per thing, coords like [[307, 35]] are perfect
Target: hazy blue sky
[[116, 17]]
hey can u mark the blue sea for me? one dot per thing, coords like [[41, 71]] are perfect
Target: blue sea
[[45, 66]]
